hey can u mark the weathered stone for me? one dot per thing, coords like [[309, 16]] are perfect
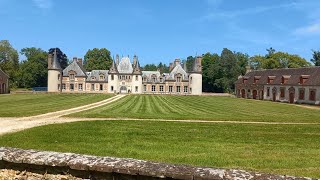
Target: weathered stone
[[81, 162], [208, 173]]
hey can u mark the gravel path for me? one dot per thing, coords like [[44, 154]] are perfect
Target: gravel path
[[12, 124]]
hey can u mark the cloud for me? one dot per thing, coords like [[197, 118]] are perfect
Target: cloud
[[249, 11], [312, 29], [43, 4]]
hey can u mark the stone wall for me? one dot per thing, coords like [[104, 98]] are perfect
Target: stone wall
[[32, 164]]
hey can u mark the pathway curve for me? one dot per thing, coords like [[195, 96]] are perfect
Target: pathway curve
[[8, 125], [12, 124]]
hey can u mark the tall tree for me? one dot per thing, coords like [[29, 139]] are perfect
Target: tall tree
[[316, 58], [243, 61], [9, 61], [61, 56], [97, 59], [150, 67], [33, 71]]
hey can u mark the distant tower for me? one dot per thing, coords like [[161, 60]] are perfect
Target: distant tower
[[54, 73], [137, 77], [195, 78], [113, 77]]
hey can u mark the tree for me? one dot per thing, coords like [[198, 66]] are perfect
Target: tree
[[316, 58], [270, 52], [242, 61], [189, 61], [61, 56], [97, 59], [257, 62], [150, 67], [9, 61], [33, 71]]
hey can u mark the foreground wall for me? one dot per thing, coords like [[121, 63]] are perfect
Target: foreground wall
[[43, 164]]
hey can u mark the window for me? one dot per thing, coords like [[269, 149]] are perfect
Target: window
[[153, 88], [101, 77], [285, 79], [190, 90], [112, 89], [137, 78], [101, 87], [190, 80], [80, 87], [112, 77], [270, 79], [161, 79], [178, 79], [129, 77], [268, 91], [144, 87], [119, 77], [58, 86], [63, 86], [71, 76], [71, 87], [301, 94], [312, 95], [154, 79], [282, 92], [136, 88], [256, 79], [178, 88], [170, 88], [161, 88], [92, 87], [245, 81], [59, 76], [93, 78], [303, 79], [185, 89], [144, 79]]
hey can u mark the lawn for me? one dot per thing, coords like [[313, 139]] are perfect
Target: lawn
[[20, 105], [280, 149], [202, 108]]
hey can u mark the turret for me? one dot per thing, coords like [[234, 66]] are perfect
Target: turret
[[195, 77], [54, 73], [113, 77], [137, 78]]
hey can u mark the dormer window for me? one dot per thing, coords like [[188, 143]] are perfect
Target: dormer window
[[304, 78], [245, 80], [153, 78], [93, 78], [285, 79], [256, 79], [71, 76], [178, 77], [271, 79], [101, 77]]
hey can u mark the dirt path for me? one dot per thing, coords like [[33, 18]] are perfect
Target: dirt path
[[9, 125], [16, 124]]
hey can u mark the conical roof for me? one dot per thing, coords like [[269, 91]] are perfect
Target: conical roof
[[137, 69], [55, 62], [113, 69]]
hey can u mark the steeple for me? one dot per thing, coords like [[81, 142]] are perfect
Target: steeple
[[137, 69], [113, 69], [55, 62], [196, 66]]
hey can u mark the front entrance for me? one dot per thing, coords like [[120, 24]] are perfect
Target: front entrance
[[261, 95], [273, 96], [254, 94], [243, 93], [123, 89], [291, 95]]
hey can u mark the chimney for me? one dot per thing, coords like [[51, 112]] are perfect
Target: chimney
[[75, 59], [80, 61], [176, 62], [135, 59], [248, 69], [170, 66], [117, 59], [50, 59]]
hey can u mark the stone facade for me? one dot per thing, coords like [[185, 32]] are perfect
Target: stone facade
[[296, 85], [4, 83], [125, 76], [43, 164]]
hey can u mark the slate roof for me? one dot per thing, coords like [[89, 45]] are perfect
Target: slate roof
[[178, 69], [3, 73], [77, 67], [96, 75], [55, 61], [293, 75], [125, 66]]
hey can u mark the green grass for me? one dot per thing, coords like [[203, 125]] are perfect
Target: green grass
[[202, 108], [20, 105], [280, 149]]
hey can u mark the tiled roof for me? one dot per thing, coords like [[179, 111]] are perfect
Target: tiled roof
[[293, 75], [94, 75], [76, 67]]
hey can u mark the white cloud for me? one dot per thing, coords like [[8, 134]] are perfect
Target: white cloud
[[249, 11], [312, 29], [43, 4]]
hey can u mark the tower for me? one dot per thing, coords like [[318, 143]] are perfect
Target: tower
[[137, 77], [113, 77], [54, 73], [195, 77]]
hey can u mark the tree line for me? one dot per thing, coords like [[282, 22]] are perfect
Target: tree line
[[219, 71]]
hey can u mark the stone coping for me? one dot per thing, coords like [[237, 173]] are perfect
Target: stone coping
[[124, 166]]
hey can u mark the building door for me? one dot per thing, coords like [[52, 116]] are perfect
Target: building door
[[243, 93], [291, 97], [254, 94], [123, 89], [274, 94], [261, 95]]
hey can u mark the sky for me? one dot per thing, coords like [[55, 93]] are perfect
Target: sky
[[162, 30]]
